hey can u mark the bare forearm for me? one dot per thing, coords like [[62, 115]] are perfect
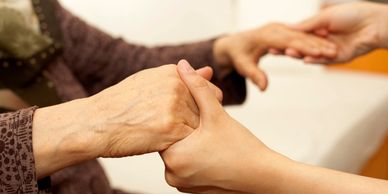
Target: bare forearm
[[308, 179], [60, 137], [289, 177]]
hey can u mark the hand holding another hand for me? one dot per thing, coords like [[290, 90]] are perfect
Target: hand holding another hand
[[147, 112], [222, 157], [220, 152], [356, 28]]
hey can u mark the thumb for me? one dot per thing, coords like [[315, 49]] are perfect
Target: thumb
[[312, 24], [199, 88], [207, 73]]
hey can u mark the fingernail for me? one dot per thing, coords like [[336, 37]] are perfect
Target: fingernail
[[186, 66]]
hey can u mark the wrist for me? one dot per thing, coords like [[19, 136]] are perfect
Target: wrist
[[263, 173], [222, 57], [61, 137]]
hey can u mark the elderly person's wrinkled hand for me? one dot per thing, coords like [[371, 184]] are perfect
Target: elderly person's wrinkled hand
[[147, 112]]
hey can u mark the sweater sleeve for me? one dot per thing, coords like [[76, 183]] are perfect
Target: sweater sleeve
[[99, 60], [17, 166]]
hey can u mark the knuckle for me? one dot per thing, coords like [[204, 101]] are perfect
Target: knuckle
[[168, 67], [217, 116], [240, 69], [219, 94], [251, 73], [179, 87], [169, 70], [296, 44], [174, 84], [200, 83]]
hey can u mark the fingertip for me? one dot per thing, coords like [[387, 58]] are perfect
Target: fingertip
[[185, 67], [261, 82], [262, 87]]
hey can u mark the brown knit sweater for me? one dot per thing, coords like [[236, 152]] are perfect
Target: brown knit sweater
[[91, 61]]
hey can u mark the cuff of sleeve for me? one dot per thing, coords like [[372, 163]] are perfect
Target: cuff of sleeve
[[16, 155]]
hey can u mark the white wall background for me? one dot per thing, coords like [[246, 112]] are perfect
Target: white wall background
[[155, 22]]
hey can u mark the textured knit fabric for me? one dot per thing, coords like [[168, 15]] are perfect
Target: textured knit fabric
[[91, 61], [16, 159]]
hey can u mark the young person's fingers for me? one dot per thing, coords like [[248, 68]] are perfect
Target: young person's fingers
[[200, 89], [205, 72]]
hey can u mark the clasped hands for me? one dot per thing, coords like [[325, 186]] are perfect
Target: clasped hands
[[176, 111]]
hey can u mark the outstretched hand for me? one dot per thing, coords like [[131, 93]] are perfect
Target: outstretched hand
[[242, 51]]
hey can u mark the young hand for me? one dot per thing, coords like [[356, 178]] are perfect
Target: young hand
[[356, 29], [217, 155]]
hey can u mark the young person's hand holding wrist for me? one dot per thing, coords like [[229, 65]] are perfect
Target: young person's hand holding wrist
[[222, 156], [221, 153]]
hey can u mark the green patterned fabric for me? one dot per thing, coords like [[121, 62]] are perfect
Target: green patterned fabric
[[17, 40]]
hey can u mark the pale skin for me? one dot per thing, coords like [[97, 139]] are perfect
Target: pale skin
[[230, 159], [356, 29], [242, 51], [141, 114]]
